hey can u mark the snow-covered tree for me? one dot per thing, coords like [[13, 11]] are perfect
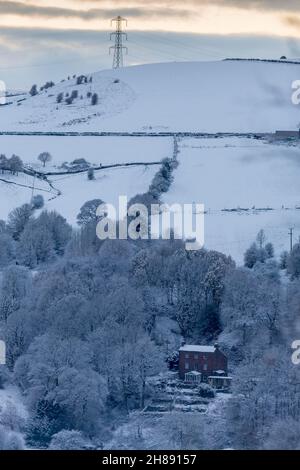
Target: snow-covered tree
[[45, 157], [16, 282], [17, 220], [88, 211]]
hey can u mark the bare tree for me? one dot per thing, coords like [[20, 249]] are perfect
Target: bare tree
[[44, 157]]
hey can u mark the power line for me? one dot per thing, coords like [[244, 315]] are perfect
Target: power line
[[118, 47]]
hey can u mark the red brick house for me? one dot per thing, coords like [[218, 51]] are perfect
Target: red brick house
[[201, 362]]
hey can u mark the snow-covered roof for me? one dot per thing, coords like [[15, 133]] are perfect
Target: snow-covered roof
[[193, 372], [223, 377], [197, 348]]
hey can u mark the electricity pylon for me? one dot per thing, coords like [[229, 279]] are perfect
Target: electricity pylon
[[118, 47]]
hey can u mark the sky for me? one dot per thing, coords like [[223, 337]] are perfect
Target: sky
[[49, 39]]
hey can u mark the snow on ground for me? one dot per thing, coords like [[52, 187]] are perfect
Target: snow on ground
[[223, 96], [96, 150], [75, 189], [150, 430], [17, 190], [108, 186], [232, 173]]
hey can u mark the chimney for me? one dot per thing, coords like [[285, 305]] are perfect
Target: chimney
[[182, 343], [217, 347]]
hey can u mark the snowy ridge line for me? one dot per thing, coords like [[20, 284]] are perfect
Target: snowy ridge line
[[273, 61], [249, 135]]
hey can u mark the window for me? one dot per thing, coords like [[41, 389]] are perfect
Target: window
[[195, 356], [186, 366], [205, 367], [187, 355]]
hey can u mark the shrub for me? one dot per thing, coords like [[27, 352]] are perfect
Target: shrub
[[95, 99], [33, 90], [206, 391], [91, 174], [38, 201], [59, 97]]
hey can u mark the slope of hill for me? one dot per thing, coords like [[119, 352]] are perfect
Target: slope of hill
[[225, 96]]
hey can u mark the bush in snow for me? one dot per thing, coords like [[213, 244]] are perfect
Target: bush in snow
[[59, 97], [38, 201], [95, 99], [206, 391], [91, 174], [69, 440], [33, 90]]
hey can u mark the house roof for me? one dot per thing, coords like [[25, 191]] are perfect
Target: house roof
[[197, 348]]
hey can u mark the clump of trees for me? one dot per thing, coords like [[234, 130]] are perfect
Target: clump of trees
[[81, 79], [163, 178], [80, 319], [47, 85], [259, 251], [13, 165]]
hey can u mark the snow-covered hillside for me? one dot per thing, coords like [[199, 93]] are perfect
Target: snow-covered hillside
[[224, 96], [224, 174]]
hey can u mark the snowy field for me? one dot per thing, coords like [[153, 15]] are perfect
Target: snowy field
[[223, 96], [76, 189], [17, 190], [231, 173], [108, 186], [96, 150]]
